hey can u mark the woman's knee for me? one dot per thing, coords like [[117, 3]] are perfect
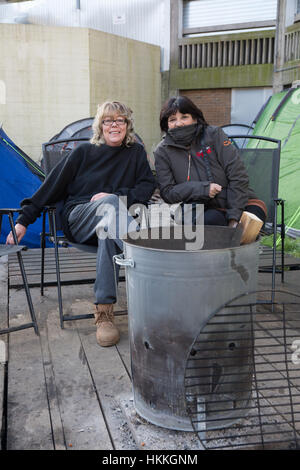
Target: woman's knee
[[256, 210], [112, 199], [214, 217]]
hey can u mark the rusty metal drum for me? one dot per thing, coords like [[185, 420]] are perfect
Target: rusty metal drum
[[171, 294]]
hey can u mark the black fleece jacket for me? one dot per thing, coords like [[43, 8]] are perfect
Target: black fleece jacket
[[88, 170]]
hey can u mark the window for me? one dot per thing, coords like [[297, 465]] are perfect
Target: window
[[202, 16]]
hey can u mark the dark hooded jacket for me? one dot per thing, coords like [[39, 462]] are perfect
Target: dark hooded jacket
[[213, 159]]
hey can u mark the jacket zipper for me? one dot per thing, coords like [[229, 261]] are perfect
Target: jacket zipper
[[189, 168]]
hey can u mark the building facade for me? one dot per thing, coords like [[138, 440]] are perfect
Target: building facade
[[59, 59], [52, 76], [223, 54]]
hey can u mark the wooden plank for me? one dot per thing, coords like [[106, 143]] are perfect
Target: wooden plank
[[80, 410], [29, 423], [123, 347], [3, 343], [50, 387], [58, 435], [34, 281], [3, 294], [75, 266], [2, 394], [111, 380]]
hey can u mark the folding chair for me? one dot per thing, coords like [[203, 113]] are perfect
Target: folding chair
[[54, 151], [12, 249], [261, 156], [60, 240]]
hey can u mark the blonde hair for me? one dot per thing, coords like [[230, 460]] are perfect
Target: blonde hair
[[108, 109]]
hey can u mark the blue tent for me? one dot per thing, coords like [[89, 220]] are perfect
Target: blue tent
[[20, 177]]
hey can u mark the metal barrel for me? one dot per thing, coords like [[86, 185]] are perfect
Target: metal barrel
[[171, 294]]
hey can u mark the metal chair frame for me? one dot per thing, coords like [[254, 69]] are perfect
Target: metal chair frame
[[276, 202], [57, 240], [63, 241], [54, 226], [11, 249]]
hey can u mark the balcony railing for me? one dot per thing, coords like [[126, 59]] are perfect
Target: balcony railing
[[239, 50], [226, 53], [292, 45]]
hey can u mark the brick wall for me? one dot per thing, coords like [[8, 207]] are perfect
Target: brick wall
[[215, 104]]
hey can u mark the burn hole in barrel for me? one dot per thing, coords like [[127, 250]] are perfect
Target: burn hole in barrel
[[231, 346]]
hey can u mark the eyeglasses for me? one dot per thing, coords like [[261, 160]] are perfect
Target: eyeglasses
[[118, 121]]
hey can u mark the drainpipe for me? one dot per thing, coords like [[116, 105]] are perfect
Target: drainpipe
[[279, 46], [77, 4]]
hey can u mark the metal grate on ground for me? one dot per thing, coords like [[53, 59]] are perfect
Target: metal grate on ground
[[242, 377]]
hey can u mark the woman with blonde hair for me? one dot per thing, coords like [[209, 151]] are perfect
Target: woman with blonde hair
[[94, 181]]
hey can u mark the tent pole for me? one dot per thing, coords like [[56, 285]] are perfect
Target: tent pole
[[279, 46]]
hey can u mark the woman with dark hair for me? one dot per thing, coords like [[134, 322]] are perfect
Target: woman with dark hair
[[197, 163]]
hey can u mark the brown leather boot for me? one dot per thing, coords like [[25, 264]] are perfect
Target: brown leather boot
[[107, 333]]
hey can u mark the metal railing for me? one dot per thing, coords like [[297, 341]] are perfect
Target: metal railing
[[223, 51], [292, 45], [226, 53]]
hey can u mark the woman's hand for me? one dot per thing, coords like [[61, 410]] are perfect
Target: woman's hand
[[20, 232], [214, 189], [232, 223], [99, 196]]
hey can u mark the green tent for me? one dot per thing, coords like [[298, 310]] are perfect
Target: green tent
[[280, 119]]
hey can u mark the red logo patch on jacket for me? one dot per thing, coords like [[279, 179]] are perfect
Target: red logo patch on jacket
[[201, 154]]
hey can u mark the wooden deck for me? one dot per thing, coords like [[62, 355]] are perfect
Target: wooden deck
[[60, 390]]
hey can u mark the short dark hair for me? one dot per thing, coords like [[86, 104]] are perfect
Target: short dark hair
[[182, 104]]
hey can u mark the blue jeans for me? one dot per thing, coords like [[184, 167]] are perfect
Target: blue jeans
[[99, 223]]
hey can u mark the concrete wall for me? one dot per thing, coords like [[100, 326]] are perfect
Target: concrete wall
[[56, 75], [46, 74], [129, 71]]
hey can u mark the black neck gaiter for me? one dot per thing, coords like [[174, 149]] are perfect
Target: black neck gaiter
[[185, 135]]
